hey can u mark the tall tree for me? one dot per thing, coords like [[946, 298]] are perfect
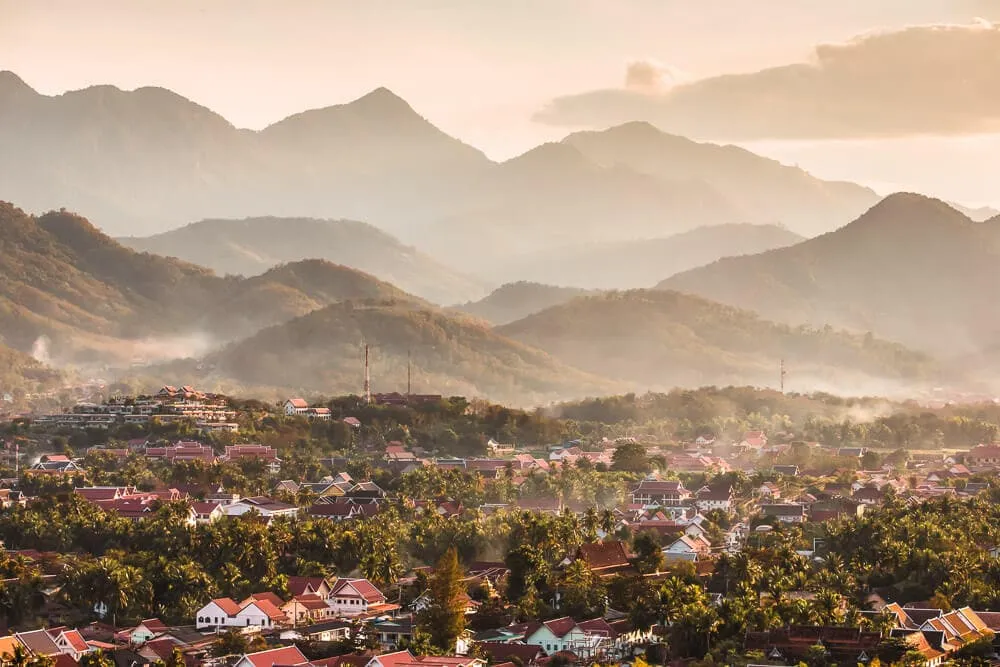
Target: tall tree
[[443, 617]]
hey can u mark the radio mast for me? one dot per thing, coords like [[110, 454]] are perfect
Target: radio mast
[[782, 374], [368, 379]]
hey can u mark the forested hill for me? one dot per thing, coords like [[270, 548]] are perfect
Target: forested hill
[[663, 339]]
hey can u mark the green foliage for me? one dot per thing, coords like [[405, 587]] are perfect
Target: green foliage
[[443, 618]]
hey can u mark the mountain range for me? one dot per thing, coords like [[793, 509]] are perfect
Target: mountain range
[[664, 339], [642, 262], [94, 299], [144, 161], [301, 326], [911, 269], [251, 246]]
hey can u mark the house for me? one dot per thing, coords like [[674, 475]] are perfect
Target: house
[[318, 586], [285, 656], [754, 440], [262, 505], [869, 495], [39, 642], [792, 644], [852, 452], [295, 406], [70, 642], [498, 449], [206, 512], [605, 559], [307, 608], [720, 498], [983, 456], [424, 599], [655, 492], [322, 414], [259, 452], [354, 597], [227, 613], [55, 464], [786, 470], [142, 633], [528, 655], [323, 631], [784, 513], [687, 548], [559, 634], [393, 632], [769, 490], [343, 510]]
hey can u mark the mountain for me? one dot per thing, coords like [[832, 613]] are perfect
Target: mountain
[[291, 290], [911, 269], [96, 300], [322, 352], [644, 262], [253, 245], [138, 161], [514, 301], [658, 339], [763, 190]]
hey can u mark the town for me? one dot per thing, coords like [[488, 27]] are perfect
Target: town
[[401, 529]]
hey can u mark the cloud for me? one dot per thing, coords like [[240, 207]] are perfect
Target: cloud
[[648, 76], [938, 80]]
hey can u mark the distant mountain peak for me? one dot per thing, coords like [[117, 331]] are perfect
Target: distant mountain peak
[[11, 84], [382, 100], [910, 208]]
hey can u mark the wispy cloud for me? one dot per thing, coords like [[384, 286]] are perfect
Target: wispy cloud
[[941, 79]]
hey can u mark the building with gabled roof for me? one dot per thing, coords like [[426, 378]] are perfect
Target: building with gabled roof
[[355, 597], [285, 656], [605, 559]]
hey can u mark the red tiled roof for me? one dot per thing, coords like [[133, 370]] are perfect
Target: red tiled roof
[[394, 659], [227, 605], [560, 626], [76, 640], [266, 595], [600, 555], [363, 587], [299, 585], [310, 601], [286, 655], [298, 402]]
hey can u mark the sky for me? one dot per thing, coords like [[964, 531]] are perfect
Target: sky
[[505, 76]]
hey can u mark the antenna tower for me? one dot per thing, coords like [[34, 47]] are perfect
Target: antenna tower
[[368, 379], [782, 374], [408, 376]]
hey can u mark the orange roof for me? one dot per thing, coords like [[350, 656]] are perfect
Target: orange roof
[[286, 655], [7, 645], [227, 605]]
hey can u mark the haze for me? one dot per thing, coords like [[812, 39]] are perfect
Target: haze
[[492, 74]]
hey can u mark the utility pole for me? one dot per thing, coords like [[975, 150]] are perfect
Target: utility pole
[[782, 374], [368, 379]]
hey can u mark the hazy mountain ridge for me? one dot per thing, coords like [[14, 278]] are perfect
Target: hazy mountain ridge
[[139, 161], [657, 339], [322, 351], [514, 301], [644, 262], [253, 245], [62, 278], [911, 269]]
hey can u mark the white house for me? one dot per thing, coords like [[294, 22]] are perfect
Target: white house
[[354, 597], [715, 499], [559, 634], [686, 548], [296, 406], [227, 613]]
